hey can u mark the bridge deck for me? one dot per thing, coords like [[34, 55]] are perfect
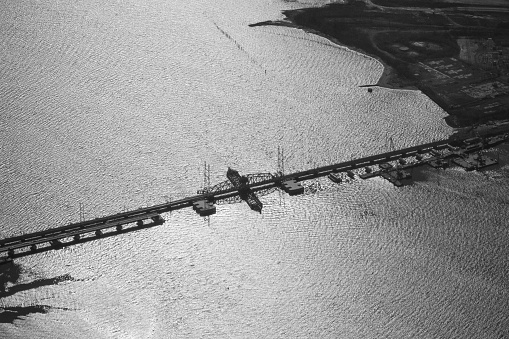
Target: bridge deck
[[153, 212], [40, 237], [369, 160]]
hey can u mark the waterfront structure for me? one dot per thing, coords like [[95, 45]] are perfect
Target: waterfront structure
[[467, 153]]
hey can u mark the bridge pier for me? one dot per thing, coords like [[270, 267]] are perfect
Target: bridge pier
[[292, 187], [204, 207], [438, 163]]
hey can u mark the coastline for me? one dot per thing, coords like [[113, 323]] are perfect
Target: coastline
[[388, 79], [418, 49]]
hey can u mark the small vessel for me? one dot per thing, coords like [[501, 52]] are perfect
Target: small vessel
[[335, 177], [385, 166]]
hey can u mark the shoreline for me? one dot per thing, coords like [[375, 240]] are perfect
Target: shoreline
[[389, 78], [418, 49]]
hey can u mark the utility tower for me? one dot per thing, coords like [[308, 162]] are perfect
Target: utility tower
[[280, 161], [82, 212], [206, 177]]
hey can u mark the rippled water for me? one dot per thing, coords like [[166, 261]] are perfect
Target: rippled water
[[118, 105]]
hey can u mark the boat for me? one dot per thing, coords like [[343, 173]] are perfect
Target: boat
[[385, 166], [335, 177]]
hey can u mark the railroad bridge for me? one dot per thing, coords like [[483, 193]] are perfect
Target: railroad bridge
[[467, 153]]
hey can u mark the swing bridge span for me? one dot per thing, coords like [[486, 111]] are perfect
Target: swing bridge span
[[467, 153]]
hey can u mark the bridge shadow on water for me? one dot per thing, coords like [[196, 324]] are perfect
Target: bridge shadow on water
[[10, 275]]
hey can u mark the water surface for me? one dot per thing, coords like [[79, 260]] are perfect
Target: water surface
[[118, 105]]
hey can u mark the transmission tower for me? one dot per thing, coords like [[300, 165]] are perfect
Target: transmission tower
[[82, 212], [280, 161], [206, 177], [391, 144]]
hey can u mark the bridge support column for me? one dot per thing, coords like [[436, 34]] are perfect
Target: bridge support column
[[204, 207], [292, 187]]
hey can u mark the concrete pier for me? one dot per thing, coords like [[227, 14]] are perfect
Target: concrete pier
[[292, 187], [204, 208]]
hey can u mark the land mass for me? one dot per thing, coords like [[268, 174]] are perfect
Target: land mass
[[455, 51]]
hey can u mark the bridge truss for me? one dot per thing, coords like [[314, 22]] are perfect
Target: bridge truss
[[228, 185]]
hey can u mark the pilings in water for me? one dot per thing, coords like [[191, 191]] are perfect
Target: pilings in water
[[72, 234], [469, 156], [475, 161]]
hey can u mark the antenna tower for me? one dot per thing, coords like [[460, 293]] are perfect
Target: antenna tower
[[391, 144], [206, 177], [82, 212], [280, 161]]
